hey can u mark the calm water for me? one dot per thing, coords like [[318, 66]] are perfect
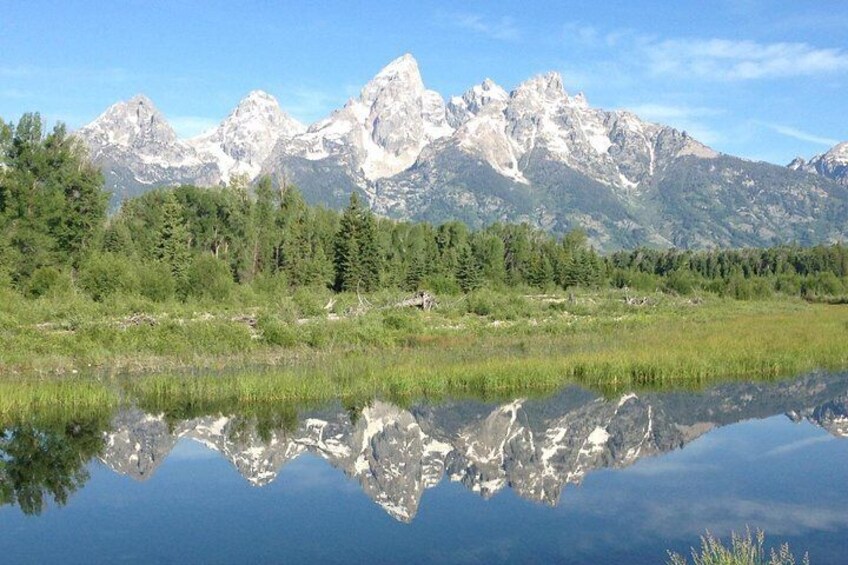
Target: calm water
[[570, 478]]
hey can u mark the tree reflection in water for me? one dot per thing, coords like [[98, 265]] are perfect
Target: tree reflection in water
[[43, 461]]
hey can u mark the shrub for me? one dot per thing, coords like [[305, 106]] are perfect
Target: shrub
[[788, 284], [47, 280], [406, 321], [485, 302], [276, 332], [310, 301], [823, 284], [636, 280], [441, 284], [156, 282], [210, 278], [105, 274], [681, 281], [273, 285]]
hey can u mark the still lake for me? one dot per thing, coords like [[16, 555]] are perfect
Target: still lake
[[573, 478]]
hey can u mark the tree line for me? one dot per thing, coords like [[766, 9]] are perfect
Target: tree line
[[192, 241]]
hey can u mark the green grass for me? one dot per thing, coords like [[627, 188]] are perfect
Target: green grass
[[55, 400], [195, 359]]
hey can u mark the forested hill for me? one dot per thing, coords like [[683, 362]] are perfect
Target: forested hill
[[190, 241]]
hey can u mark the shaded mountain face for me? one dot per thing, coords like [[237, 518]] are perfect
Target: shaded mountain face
[[534, 447], [832, 165], [535, 154]]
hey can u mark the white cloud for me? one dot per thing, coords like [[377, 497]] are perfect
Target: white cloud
[[503, 29], [723, 59], [796, 133]]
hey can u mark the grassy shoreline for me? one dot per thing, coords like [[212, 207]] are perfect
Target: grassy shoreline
[[596, 340]]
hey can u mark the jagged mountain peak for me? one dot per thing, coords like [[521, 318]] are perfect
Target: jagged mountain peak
[[797, 163], [462, 108], [396, 79], [141, 101], [133, 122], [247, 136], [265, 107], [258, 95], [839, 150], [548, 85]]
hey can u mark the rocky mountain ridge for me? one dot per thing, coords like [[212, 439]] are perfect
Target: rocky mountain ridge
[[536, 154], [832, 164]]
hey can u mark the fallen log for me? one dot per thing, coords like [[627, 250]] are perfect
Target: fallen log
[[422, 299]]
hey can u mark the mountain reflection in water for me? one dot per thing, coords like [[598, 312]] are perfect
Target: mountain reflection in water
[[533, 446]]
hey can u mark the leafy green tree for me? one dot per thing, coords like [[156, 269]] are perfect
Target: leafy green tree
[[52, 204]]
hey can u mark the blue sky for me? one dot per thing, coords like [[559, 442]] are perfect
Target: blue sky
[[763, 80]]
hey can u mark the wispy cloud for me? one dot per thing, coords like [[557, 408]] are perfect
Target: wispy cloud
[[502, 29], [799, 444], [692, 119], [723, 59], [112, 75], [723, 514], [13, 94], [716, 58], [801, 135]]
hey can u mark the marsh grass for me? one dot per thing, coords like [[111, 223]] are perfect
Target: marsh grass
[[666, 354], [55, 400], [747, 549], [192, 360]]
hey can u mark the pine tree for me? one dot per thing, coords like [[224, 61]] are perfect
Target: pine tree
[[468, 271], [370, 257], [173, 238], [541, 271], [346, 248], [357, 257]]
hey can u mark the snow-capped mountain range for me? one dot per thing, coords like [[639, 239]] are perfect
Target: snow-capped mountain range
[[534, 154], [534, 447], [833, 164]]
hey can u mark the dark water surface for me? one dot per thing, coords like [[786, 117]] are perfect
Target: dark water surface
[[569, 478]]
